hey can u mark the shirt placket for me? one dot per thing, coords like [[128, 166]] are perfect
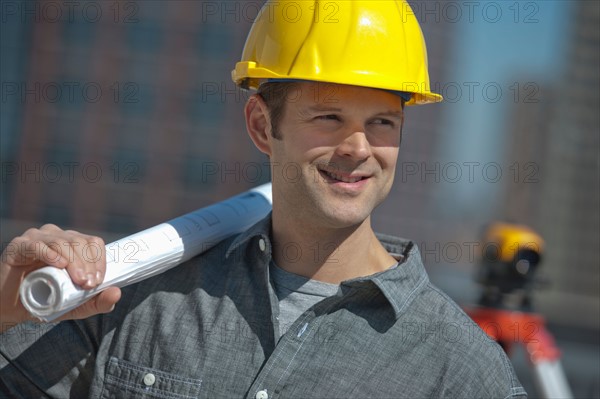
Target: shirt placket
[[286, 358], [291, 355]]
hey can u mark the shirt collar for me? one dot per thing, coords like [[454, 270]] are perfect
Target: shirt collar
[[261, 229], [399, 285]]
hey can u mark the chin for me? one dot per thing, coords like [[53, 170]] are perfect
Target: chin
[[344, 218]]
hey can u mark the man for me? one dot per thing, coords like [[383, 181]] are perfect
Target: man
[[307, 303]]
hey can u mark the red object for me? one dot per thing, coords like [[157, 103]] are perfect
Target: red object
[[509, 327]]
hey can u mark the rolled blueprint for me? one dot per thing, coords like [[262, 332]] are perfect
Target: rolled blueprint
[[49, 292]]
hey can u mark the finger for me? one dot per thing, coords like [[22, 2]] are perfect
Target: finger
[[104, 302], [97, 252], [24, 252], [107, 300], [84, 256], [86, 259]]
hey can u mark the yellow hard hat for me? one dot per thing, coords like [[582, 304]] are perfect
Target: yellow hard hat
[[368, 43], [510, 238]]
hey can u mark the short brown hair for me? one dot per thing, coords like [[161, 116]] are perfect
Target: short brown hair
[[275, 95]]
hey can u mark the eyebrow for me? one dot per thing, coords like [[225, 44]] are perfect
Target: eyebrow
[[321, 108], [389, 113]]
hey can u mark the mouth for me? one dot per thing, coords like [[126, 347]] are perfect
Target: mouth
[[342, 177]]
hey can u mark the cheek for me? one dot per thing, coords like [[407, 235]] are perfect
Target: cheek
[[388, 157], [308, 147]]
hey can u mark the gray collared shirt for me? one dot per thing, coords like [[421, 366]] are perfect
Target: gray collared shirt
[[209, 329]]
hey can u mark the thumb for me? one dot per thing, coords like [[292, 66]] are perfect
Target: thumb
[[104, 302]]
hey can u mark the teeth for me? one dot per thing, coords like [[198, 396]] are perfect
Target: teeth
[[342, 178]]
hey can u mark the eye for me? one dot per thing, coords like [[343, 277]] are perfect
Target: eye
[[328, 117], [382, 121]]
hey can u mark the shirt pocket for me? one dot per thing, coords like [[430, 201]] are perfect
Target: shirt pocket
[[127, 380]]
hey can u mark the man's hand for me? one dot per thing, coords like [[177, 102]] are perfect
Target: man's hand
[[82, 255]]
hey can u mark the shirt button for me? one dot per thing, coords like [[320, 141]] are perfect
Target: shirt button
[[149, 379], [262, 245], [262, 394]]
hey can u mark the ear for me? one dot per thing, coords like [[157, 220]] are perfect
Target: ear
[[258, 123]]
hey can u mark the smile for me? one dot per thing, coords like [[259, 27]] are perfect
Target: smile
[[341, 177]]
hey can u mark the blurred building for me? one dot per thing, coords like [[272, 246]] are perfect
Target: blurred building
[[569, 214], [117, 116], [554, 148]]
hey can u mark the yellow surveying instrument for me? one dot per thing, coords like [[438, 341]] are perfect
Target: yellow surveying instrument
[[511, 254], [510, 257]]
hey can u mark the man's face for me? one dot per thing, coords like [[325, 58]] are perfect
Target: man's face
[[335, 156]]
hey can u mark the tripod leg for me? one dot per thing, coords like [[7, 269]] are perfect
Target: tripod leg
[[550, 379]]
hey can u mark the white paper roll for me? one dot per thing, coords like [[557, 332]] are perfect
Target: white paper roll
[[48, 293]]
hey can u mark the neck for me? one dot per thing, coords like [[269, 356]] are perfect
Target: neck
[[327, 254]]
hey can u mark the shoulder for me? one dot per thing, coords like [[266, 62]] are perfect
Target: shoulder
[[207, 268], [479, 365], [461, 359]]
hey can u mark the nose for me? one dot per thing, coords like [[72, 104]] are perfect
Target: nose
[[355, 146]]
